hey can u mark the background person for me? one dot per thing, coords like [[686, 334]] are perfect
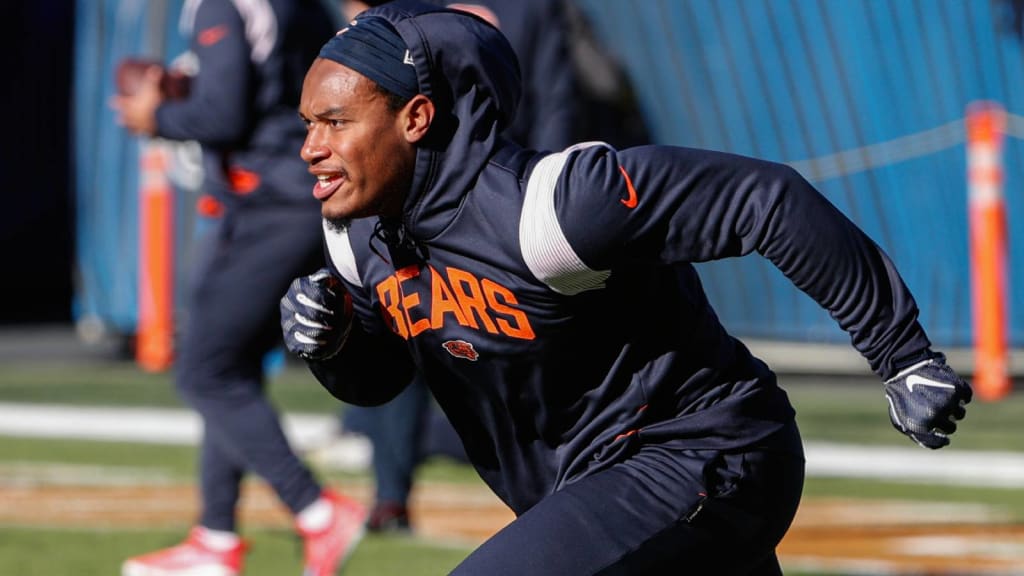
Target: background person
[[241, 109]]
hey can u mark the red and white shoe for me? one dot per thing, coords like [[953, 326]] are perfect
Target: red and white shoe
[[193, 557], [327, 550]]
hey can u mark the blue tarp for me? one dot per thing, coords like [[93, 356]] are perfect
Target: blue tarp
[[106, 157], [866, 98]]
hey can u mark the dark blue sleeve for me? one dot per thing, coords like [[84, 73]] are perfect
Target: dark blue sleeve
[[368, 371], [217, 109], [695, 205]]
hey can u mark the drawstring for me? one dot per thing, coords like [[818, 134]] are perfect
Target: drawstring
[[402, 247]]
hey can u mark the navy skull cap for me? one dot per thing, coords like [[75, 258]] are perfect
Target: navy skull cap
[[372, 47]]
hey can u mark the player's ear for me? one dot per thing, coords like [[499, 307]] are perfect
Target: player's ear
[[416, 117]]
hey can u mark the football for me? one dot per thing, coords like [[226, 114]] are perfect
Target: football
[[174, 85]]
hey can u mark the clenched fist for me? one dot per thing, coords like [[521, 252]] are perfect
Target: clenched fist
[[316, 316], [926, 400]]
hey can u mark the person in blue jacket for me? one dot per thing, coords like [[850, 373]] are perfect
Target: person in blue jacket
[[549, 301], [251, 58]]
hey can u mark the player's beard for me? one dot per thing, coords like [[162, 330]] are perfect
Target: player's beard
[[338, 225]]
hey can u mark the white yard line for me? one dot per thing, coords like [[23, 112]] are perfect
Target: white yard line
[[145, 425], [913, 464], [318, 433]]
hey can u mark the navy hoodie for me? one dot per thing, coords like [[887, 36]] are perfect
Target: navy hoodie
[[549, 299]]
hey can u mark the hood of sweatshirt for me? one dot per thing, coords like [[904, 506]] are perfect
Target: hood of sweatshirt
[[469, 71]]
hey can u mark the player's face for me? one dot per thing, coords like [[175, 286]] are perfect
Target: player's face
[[356, 146]]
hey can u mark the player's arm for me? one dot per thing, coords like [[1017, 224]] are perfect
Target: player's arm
[[671, 204], [217, 109], [354, 362]]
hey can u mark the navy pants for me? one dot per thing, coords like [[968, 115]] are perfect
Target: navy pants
[[395, 430], [244, 264], [663, 511]]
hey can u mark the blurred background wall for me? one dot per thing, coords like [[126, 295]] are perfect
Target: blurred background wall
[[866, 98]]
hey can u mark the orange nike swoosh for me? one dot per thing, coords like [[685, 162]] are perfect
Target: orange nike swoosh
[[629, 201], [212, 35]]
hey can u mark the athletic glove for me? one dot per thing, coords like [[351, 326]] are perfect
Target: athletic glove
[[926, 400], [316, 316]]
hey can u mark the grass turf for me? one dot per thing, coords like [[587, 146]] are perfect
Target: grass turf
[[829, 409], [46, 552]]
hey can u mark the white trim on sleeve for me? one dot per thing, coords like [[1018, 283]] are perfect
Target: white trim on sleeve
[[545, 249]]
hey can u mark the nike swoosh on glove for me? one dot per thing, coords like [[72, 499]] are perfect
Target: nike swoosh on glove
[[926, 400], [316, 316]]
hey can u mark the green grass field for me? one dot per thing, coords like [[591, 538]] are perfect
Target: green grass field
[[49, 552], [839, 410]]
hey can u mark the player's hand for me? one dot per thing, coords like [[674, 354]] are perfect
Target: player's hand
[[137, 111], [316, 315], [926, 400]]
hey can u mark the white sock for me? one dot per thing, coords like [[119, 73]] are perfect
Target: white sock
[[220, 540], [316, 516]]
